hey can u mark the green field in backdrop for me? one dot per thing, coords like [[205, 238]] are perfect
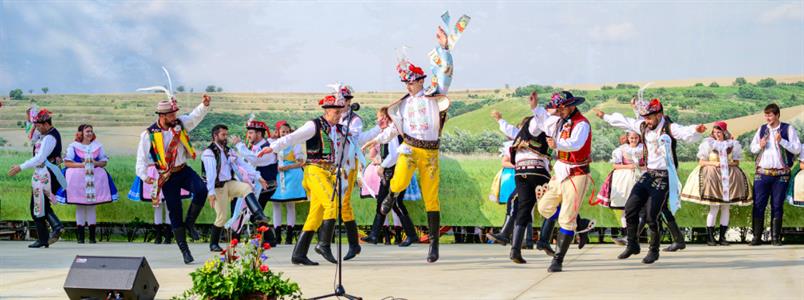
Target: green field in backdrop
[[464, 189]]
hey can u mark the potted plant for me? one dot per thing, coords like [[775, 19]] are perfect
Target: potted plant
[[241, 272]]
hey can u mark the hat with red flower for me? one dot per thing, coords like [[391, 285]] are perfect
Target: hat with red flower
[[409, 72], [645, 108], [330, 101], [564, 99]]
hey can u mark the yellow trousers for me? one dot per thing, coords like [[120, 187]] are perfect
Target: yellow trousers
[[426, 161], [347, 213], [318, 182], [224, 195], [569, 194]]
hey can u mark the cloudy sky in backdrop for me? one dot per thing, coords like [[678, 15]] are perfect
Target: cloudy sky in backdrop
[[110, 47]]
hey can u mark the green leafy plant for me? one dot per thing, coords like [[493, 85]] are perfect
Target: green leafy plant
[[241, 272]]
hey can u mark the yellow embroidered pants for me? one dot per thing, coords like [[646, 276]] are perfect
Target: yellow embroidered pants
[[426, 162]]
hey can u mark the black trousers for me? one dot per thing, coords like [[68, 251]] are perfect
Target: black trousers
[[650, 193], [188, 180], [526, 183]]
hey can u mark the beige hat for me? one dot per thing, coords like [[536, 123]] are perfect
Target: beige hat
[[167, 106]]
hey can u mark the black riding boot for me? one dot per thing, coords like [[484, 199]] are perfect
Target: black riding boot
[[41, 234], [373, 236], [562, 244], [386, 235], [632, 244], [397, 235], [545, 235], [504, 236], [278, 234], [92, 234], [678, 238], [257, 216], [181, 241], [722, 240], [79, 233], [410, 231], [300, 251], [158, 235], [325, 234], [776, 231], [56, 228], [288, 235], [529, 236], [189, 223], [388, 203], [215, 238], [758, 225], [516, 244], [584, 226], [653, 250], [434, 221], [710, 236], [354, 244]]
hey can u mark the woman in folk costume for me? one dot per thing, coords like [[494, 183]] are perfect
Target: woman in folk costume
[[289, 188], [388, 156], [88, 183], [166, 145], [628, 165], [419, 117], [795, 193], [718, 181], [47, 176]]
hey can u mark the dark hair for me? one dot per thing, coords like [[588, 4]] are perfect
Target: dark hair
[[217, 128], [772, 108], [79, 136]]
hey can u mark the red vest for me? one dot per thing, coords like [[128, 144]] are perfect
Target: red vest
[[582, 156]]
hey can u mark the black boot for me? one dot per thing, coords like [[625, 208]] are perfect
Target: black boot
[[189, 223], [373, 236], [722, 240], [92, 229], [386, 235], [434, 221], [79, 233], [776, 231], [325, 234], [269, 237], [758, 225], [516, 244], [678, 238], [584, 226], [397, 235], [257, 216], [300, 251], [41, 234], [503, 237], [529, 236], [288, 235], [181, 240], [278, 234], [632, 244], [653, 251], [562, 244], [56, 228], [158, 233], [388, 203], [545, 235], [410, 231], [167, 232], [354, 244], [710, 236], [214, 238]]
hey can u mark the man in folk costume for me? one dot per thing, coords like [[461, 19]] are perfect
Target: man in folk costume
[[659, 184], [775, 145], [419, 117], [221, 165], [166, 145], [257, 133], [47, 177], [570, 134]]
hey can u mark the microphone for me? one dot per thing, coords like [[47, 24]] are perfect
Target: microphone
[[355, 106]]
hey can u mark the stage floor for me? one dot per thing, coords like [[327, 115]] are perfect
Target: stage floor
[[464, 272]]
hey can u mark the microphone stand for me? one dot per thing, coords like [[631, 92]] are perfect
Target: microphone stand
[[338, 188]]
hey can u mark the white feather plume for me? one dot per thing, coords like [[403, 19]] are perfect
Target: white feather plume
[[642, 91], [170, 82], [156, 88]]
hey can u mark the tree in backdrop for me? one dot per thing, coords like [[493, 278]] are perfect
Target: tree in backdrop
[[767, 82], [45, 90], [16, 94], [740, 81], [210, 89], [180, 89]]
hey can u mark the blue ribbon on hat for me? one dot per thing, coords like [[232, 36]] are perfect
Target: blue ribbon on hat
[[674, 202]]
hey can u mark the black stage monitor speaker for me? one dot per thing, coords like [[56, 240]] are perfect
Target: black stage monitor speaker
[[110, 277]]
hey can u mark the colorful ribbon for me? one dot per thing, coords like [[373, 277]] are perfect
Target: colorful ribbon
[[674, 202]]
